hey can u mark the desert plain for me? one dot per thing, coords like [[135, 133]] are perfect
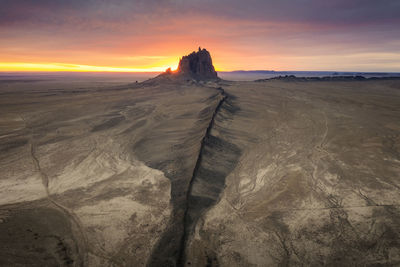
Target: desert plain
[[276, 172]]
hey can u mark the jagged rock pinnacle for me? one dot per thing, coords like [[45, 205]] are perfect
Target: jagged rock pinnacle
[[197, 65]]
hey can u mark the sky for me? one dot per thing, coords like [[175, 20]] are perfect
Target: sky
[[151, 35]]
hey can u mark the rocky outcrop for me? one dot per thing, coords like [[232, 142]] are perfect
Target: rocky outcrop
[[197, 65]]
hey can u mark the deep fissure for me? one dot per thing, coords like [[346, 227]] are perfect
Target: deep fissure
[[202, 187], [186, 229]]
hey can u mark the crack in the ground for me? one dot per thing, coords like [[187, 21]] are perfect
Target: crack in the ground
[[186, 219], [201, 188]]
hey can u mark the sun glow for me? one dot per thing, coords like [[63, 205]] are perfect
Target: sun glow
[[20, 66]]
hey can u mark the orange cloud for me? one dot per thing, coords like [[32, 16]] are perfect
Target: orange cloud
[[136, 44]]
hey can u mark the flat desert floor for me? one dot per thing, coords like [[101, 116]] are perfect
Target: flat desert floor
[[284, 172]]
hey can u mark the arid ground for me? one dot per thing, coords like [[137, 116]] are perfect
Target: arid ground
[[281, 172]]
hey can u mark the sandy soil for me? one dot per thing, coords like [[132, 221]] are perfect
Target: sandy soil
[[90, 154], [317, 180], [282, 172]]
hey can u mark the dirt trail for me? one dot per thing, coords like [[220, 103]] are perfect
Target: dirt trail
[[81, 242]]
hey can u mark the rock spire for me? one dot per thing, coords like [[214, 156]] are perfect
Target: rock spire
[[197, 65]]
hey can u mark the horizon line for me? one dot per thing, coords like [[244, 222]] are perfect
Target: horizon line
[[56, 67], [158, 71]]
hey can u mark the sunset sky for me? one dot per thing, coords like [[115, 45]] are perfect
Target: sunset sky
[[150, 35]]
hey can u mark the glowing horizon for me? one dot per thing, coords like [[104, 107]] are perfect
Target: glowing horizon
[[63, 67], [67, 67], [131, 36]]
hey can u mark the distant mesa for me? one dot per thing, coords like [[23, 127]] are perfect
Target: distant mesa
[[197, 65]]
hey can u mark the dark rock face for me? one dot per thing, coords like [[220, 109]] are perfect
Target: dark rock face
[[197, 65]]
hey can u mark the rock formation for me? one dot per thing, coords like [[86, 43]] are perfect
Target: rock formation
[[197, 65]]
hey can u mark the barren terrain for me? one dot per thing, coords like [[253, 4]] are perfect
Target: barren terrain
[[162, 173]]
